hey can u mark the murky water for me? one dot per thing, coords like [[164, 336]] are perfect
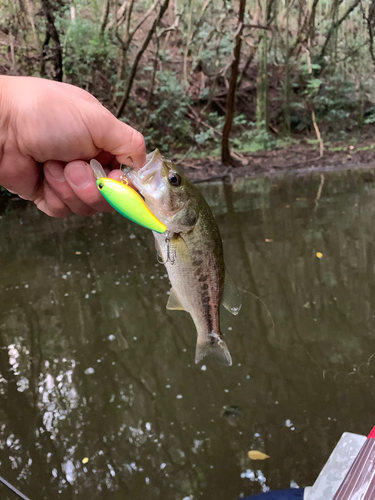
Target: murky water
[[92, 366]]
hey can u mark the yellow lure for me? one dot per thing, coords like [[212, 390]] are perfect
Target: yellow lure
[[126, 200]]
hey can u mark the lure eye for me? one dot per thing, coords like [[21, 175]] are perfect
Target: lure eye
[[101, 186], [174, 179]]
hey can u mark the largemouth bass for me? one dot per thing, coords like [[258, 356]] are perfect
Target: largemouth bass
[[195, 264]]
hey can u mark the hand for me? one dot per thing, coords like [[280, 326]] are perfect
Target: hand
[[48, 132]]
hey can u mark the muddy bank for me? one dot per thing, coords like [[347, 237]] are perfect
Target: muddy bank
[[301, 158]]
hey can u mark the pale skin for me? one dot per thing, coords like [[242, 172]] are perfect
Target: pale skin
[[49, 131]]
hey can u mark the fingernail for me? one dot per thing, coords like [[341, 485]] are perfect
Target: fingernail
[[79, 176], [56, 172]]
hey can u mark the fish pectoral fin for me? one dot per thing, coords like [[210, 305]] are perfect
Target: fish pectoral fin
[[215, 347], [231, 297], [174, 303]]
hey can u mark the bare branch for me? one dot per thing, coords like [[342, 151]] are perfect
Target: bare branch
[[105, 14], [140, 52], [335, 25]]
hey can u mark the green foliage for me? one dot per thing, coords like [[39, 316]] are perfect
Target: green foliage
[[336, 105], [370, 118], [277, 89], [209, 137], [211, 50], [313, 87], [254, 138], [247, 136], [86, 50], [167, 124]]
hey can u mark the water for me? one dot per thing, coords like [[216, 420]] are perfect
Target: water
[[99, 394]]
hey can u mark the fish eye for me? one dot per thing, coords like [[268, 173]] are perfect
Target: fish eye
[[101, 186], [174, 179]]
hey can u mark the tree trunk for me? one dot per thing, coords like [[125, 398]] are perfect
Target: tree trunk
[[262, 86], [226, 157], [287, 77], [52, 34]]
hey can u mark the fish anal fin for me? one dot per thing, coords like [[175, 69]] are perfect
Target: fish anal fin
[[214, 347], [174, 303], [231, 297]]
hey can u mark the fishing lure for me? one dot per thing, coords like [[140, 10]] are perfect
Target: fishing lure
[[126, 200]]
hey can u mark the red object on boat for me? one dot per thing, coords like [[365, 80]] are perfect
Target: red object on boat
[[359, 482]]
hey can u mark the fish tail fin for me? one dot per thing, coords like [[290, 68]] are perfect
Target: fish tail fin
[[213, 346]]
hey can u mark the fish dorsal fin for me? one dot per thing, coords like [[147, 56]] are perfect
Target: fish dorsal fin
[[231, 297], [174, 303]]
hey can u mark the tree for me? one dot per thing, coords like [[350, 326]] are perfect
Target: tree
[[226, 157], [56, 53]]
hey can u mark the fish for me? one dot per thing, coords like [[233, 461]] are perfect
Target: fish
[[192, 254]]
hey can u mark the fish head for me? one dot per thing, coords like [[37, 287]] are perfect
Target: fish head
[[168, 193]]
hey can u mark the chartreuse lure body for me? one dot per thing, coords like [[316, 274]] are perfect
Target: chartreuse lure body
[[126, 200]]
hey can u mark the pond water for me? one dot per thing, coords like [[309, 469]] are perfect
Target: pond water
[[99, 394]]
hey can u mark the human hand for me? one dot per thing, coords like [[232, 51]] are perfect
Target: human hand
[[48, 132]]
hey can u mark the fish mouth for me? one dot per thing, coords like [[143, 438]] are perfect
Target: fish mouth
[[148, 179]]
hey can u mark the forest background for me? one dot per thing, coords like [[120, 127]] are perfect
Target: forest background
[[208, 78]]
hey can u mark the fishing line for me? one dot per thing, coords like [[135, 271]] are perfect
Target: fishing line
[[304, 349], [273, 333], [13, 489]]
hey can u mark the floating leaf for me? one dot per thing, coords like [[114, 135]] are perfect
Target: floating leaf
[[319, 255], [85, 460], [257, 455]]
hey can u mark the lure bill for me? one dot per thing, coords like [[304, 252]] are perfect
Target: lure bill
[[126, 200]]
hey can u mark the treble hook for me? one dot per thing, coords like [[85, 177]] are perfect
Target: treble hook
[[169, 258], [125, 169]]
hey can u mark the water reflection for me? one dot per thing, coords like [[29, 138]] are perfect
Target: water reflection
[[92, 366]]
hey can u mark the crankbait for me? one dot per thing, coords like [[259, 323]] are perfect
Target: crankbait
[[126, 200]]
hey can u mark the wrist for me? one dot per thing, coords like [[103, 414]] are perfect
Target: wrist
[[5, 111]]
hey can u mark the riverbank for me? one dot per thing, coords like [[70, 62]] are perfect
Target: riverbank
[[302, 158], [298, 158]]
